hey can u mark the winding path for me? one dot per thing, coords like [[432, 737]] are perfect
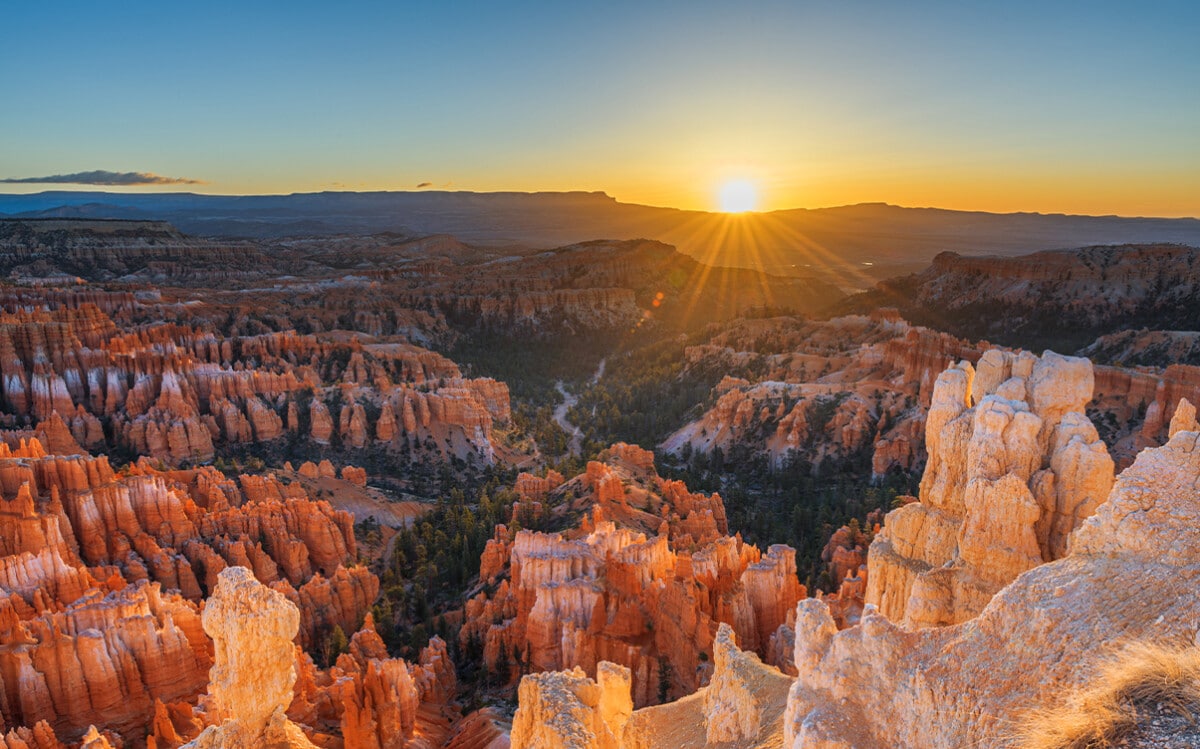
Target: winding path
[[575, 447]]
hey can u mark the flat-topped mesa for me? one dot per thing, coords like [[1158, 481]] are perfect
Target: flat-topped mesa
[[1045, 635], [1014, 467], [253, 673]]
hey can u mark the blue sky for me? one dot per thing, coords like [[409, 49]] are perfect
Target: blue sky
[[1079, 107]]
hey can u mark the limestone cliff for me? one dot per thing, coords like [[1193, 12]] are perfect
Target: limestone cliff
[[1014, 467], [251, 682], [1043, 635]]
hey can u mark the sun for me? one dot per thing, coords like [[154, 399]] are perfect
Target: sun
[[738, 196]]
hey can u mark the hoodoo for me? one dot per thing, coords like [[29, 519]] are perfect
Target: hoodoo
[[253, 673], [1044, 634]]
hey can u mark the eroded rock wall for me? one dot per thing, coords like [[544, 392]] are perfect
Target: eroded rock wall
[[1014, 467]]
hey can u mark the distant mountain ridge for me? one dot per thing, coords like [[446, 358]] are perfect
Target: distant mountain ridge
[[853, 246], [595, 284], [1054, 299]]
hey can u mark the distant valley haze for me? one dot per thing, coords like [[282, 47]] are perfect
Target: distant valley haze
[[853, 246]]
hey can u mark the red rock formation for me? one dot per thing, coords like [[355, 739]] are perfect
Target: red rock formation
[[322, 423], [830, 389], [103, 660], [370, 700], [647, 589], [535, 488], [325, 602], [71, 531], [176, 393], [356, 476]]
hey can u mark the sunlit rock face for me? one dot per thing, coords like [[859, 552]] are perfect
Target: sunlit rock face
[[1014, 467], [567, 710], [821, 390], [644, 581], [741, 707], [731, 709], [882, 684], [104, 660], [250, 685], [80, 376], [104, 574]]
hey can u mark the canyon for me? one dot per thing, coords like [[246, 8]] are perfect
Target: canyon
[[956, 654], [297, 492], [860, 387]]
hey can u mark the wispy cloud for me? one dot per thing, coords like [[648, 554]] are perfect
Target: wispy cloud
[[103, 177], [424, 184]]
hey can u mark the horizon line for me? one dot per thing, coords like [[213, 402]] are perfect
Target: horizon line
[[598, 193]]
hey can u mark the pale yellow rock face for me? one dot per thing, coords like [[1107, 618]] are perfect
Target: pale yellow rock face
[[1014, 467], [741, 708], [1078, 479], [567, 710], [250, 684], [1132, 572], [1184, 419], [731, 709], [616, 696]]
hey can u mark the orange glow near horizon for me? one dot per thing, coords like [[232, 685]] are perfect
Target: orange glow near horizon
[[693, 187]]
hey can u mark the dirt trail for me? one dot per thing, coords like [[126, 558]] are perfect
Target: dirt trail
[[575, 446]]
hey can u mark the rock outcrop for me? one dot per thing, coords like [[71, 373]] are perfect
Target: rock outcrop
[[368, 700], [732, 712], [644, 582], [1014, 467], [741, 707], [567, 710], [102, 574], [1053, 294], [250, 686], [821, 391], [103, 660], [1042, 636], [178, 392]]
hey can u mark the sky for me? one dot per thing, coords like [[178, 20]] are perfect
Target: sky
[[1083, 107]]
